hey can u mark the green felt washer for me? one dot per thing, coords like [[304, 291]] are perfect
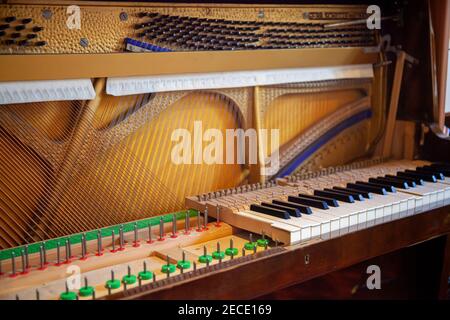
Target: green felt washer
[[145, 275], [86, 291], [205, 258], [231, 251], [184, 264], [218, 255], [262, 242], [129, 279], [168, 268], [250, 245], [68, 295], [113, 284]]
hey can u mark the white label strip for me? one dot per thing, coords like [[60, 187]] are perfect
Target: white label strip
[[148, 84], [48, 90]]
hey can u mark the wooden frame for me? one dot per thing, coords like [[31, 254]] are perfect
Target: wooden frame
[[74, 66]]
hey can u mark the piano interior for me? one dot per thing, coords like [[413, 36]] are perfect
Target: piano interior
[[193, 150]]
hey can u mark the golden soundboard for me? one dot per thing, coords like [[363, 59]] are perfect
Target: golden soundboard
[[189, 151]]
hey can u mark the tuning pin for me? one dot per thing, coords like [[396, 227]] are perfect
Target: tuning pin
[[38, 296], [121, 239], [243, 252], [217, 216], [17, 297], [83, 247], [154, 277], [187, 224], [199, 228], [1, 271], [205, 221], [174, 226], [66, 245], [99, 244], [27, 260], [58, 254], [149, 233], [113, 241], [13, 264], [161, 229], [136, 240], [44, 253]]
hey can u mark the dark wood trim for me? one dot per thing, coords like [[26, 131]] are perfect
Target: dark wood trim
[[445, 273]]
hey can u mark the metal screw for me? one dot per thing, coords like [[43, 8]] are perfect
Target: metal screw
[[307, 259], [84, 42], [47, 14], [123, 16]]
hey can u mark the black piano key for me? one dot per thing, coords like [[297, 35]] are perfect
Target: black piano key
[[299, 207], [368, 188], [388, 187], [329, 201], [269, 211], [416, 180], [334, 195], [436, 172], [364, 193], [355, 195], [392, 182], [10, 19], [441, 165], [309, 202], [415, 174], [444, 170], [409, 183], [294, 212]]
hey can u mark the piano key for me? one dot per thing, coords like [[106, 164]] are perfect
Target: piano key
[[329, 201], [398, 184], [388, 187], [408, 183], [368, 188], [355, 195], [292, 211], [424, 176], [302, 209], [276, 230], [270, 211], [311, 227], [365, 194], [441, 165], [444, 170], [309, 202], [436, 172], [335, 195], [417, 181]]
